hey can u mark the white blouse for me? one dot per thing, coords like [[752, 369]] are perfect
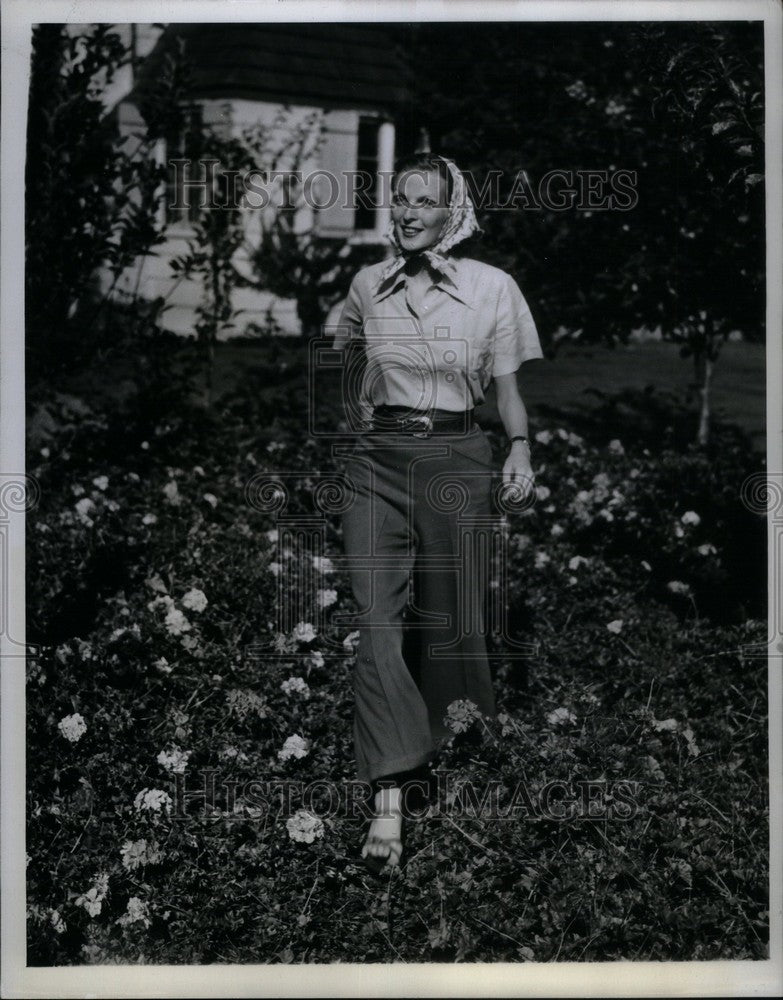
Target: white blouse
[[472, 325]]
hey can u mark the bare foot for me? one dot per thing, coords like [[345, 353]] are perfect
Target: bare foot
[[383, 847]]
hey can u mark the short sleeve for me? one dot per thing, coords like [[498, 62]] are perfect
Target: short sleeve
[[349, 326], [516, 337]]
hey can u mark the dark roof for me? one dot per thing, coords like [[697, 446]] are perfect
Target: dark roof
[[331, 65]]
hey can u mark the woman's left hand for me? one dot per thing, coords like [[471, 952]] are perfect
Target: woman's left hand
[[518, 470]]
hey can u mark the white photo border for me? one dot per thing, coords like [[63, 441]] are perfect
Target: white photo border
[[604, 979]]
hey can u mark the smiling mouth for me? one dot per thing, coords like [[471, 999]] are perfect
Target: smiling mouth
[[409, 231]]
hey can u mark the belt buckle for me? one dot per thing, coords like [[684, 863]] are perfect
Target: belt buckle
[[423, 421]]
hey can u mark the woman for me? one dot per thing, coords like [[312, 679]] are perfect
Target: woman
[[432, 329]]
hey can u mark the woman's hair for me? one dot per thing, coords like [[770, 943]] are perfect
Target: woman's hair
[[426, 161]]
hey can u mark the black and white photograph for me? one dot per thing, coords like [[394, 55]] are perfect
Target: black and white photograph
[[391, 499]]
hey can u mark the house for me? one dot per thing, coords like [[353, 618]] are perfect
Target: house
[[346, 78]]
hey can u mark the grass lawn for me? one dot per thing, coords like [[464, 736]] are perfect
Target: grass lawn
[[566, 384], [739, 387]]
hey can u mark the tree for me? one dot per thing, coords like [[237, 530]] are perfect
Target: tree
[[706, 92], [679, 105], [91, 200]]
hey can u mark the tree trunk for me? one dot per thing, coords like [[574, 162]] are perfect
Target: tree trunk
[[703, 365]]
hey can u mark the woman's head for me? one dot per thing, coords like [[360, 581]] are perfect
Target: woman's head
[[422, 190]]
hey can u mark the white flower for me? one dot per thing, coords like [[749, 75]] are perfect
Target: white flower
[[326, 598], [560, 717], [57, 922], [664, 726], [351, 640], [152, 800], [542, 558], [646, 565], [615, 626], [634, 474], [45, 453], [690, 517], [93, 898], [693, 749], [323, 564], [543, 437], [198, 470], [136, 912], [145, 445], [171, 493], [102, 482], [556, 530], [461, 714], [150, 519], [176, 622], [175, 761], [562, 433], [575, 440], [543, 492], [295, 685], [707, 549], [211, 499], [317, 658], [83, 509], [304, 632], [616, 447], [275, 567], [195, 600], [294, 746], [304, 827], [77, 490], [576, 561], [678, 587], [678, 531], [72, 727], [136, 853], [272, 535]]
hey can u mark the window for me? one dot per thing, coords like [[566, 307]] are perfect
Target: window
[[184, 143], [367, 162]]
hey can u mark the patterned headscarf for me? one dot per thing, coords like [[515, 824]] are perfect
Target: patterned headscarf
[[460, 224]]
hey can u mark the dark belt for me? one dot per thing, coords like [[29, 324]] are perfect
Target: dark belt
[[420, 423]]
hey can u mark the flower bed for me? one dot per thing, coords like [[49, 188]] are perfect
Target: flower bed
[[181, 745]]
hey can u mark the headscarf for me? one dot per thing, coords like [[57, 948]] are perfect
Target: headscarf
[[460, 224]]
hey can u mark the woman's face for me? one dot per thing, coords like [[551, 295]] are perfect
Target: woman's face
[[419, 209]]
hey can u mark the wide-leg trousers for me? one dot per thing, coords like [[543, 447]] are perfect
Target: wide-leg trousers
[[417, 538]]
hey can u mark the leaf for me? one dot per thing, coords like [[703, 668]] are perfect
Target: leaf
[[719, 127]]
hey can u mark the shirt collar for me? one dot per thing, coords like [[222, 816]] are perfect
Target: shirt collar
[[454, 283]]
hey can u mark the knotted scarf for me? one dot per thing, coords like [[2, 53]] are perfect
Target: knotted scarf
[[460, 224]]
